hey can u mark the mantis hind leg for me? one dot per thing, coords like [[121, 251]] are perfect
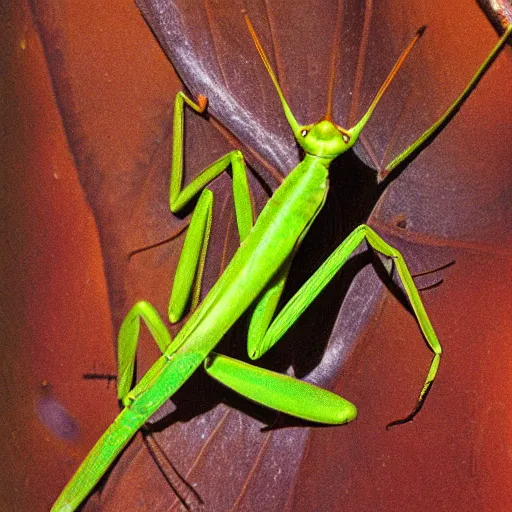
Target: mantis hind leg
[[317, 282], [187, 281]]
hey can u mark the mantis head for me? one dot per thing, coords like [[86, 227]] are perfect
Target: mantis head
[[325, 138]]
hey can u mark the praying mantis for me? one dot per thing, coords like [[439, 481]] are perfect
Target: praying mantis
[[283, 223]]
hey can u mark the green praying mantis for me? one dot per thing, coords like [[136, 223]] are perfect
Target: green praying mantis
[[256, 277]]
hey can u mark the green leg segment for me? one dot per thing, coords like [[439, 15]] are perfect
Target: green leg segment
[[128, 339], [265, 309], [191, 264], [266, 305], [187, 281], [426, 136], [281, 392], [317, 282]]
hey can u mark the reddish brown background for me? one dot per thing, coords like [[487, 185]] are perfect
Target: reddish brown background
[[86, 108]]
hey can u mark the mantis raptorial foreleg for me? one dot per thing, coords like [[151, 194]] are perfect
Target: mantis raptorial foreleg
[[265, 308], [187, 280]]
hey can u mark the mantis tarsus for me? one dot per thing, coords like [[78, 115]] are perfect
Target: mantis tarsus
[[256, 276]]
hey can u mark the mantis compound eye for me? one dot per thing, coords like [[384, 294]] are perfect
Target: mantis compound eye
[[304, 132], [345, 137]]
